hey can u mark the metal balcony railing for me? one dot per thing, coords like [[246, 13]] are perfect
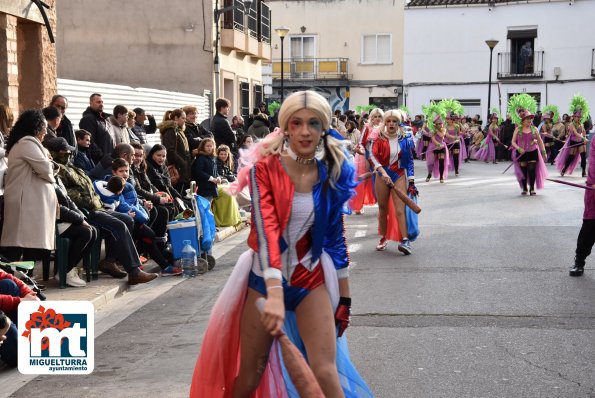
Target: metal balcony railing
[[514, 66], [312, 69], [593, 62]]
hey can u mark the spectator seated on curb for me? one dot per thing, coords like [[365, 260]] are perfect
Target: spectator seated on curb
[[72, 224], [81, 159], [104, 167], [12, 292], [121, 194], [8, 342], [117, 227]]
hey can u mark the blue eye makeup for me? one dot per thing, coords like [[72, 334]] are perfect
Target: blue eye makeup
[[315, 125]]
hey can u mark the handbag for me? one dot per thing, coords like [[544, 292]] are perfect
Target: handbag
[[174, 174]]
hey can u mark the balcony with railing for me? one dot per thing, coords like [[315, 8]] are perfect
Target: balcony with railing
[[247, 31], [593, 62], [515, 66], [312, 69]]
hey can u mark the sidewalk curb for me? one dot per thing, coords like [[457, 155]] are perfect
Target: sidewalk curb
[[229, 231]]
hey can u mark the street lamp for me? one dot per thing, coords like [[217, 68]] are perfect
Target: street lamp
[[282, 32], [491, 44], [217, 14]]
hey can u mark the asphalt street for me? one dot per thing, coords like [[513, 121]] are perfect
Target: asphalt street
[[483, 308]]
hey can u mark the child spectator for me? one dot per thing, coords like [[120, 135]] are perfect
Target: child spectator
[[129, 203], [204, 170], [81, 158], [12, 292], [225, 163]]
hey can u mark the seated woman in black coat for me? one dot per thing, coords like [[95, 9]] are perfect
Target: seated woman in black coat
[[163, 210], [159, 175], [204, 170]]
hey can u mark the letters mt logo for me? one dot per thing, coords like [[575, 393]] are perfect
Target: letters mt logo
[[56, 337]]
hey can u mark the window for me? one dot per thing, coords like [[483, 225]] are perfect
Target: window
[[377, 48], [302, 47], [257, 99], [245, 99]]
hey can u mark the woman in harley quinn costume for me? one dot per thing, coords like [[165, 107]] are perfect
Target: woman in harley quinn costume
[[392, 156], [364, 192], [297, 260]]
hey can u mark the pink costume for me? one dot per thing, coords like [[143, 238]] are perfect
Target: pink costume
[[364, 192], [487, 152]]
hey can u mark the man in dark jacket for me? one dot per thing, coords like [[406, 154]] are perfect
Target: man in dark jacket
[[140, 128], [221, 128], [119, 245], [104, 167], [96, 122], [81, 158], [65, 128]]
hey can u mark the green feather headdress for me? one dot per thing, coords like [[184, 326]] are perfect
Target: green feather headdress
[[497, 112], [273, 106], [430, 112], [579, 103], [452, 105], [405, 109], [361, 109], [555, 111], [519, 103]]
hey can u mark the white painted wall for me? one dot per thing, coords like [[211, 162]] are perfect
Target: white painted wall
[[338, 26], [452, 47], [452, 50]]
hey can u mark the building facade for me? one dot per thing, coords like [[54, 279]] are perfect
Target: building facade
[[27, 57], [158, 45], [350, 51], [545, 48]]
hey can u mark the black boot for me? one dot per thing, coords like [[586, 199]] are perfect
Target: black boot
[[578, 269]]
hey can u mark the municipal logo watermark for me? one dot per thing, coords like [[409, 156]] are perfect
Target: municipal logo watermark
[[56, 337]]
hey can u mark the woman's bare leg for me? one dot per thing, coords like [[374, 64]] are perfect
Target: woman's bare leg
[[382, 195], [255, 344], [400, 206], [316, 324]]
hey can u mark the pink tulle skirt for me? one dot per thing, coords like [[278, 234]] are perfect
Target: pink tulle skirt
[[462, 155], [364, 192], [487, 153], [563, 157], [541, 173], [433, 164]]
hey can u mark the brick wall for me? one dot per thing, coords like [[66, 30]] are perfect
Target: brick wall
[[9, 80], [38, 59]]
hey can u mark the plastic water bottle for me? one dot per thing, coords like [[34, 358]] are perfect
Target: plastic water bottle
[[188, 261]]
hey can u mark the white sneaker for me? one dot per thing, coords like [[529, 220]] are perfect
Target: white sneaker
[[74, 280]]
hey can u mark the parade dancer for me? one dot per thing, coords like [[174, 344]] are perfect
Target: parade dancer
[[437, 156], [547, 130], [297, 259], [528, 158], [455, 142], [392, 156], [586, 237], [364, 192], [422, 144], [575, 147], [487, 152]]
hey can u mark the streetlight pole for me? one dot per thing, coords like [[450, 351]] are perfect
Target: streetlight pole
[[282, 32], [217, 15], [491, 44]]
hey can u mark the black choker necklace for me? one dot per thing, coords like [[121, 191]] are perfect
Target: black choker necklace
[[299, 159]]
